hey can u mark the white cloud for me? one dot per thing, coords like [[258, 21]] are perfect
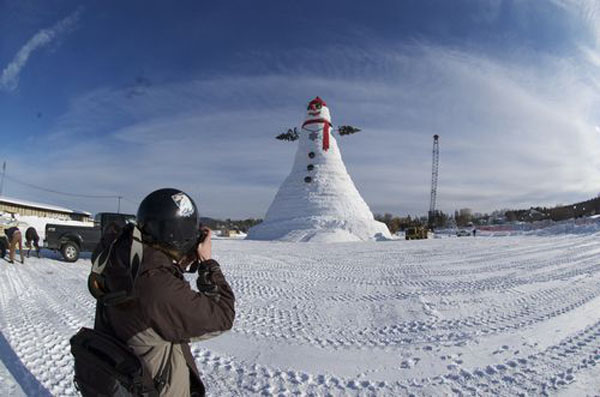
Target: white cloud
[[9, 79], [587, 13]]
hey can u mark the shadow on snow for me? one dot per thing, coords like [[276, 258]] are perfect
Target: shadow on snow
[[28, 382]]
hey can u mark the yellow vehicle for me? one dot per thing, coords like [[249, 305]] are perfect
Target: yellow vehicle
[[416, 233]]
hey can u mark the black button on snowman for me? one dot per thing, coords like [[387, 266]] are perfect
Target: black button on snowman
[[310, 167]]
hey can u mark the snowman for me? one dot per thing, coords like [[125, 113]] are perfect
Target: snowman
[[318, 201]]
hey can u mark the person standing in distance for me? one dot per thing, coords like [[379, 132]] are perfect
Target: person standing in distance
[[167, 313]]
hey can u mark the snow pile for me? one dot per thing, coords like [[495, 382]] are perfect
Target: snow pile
[[318, 201]]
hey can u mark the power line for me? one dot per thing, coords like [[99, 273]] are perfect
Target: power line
[[59, 192], [129, 201], [3, 175]]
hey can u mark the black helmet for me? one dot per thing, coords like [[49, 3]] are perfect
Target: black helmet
[[169, 218]]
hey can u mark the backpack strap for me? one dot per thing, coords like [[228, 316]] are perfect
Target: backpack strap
[[96, 282], [136, 253], [101, 261]]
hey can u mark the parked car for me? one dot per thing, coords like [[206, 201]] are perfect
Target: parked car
[[462, 233], [72, 240]]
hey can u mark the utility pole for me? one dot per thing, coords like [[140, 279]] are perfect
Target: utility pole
[[2, 181], [434, 180]]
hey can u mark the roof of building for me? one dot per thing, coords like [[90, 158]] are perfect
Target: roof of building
[[49, 207]]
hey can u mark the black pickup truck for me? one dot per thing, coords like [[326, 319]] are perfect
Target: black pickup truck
[[72, 240]]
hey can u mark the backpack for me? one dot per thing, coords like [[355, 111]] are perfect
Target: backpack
[[122, 273], [104, 365]]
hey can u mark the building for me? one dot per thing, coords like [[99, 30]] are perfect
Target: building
[[30, 208], [229, 233]]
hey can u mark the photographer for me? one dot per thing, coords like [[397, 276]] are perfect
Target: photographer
[[165, 312]]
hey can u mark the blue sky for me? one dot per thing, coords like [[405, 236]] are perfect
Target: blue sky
[[123, 97]]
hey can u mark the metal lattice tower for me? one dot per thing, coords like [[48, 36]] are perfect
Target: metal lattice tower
[[434, 179]]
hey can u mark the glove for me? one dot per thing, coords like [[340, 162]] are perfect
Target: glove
[[203, 282]]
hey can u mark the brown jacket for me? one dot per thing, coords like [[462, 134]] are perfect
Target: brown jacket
[[166, 314]]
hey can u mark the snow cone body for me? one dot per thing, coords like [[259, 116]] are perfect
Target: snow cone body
[[318, 201]]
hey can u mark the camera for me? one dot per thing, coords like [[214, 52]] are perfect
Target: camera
[[191, 257], [202, 233]]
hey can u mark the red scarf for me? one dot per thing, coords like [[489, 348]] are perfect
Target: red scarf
[[325, 131]]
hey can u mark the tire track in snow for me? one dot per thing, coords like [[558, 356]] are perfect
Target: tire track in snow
[[38, 321], [404, 298], [539, 374]]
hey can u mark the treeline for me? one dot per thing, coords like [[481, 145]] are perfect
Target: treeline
[[466, 218], [395, 223], [557, 213], [230, 224], [399, 223]]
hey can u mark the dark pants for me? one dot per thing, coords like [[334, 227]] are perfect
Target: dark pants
[[35, 244]]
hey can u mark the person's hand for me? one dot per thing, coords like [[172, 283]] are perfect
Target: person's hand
[[204, 281], [204, 249]]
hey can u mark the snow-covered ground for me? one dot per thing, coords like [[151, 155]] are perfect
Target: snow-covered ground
[[503, 316]]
